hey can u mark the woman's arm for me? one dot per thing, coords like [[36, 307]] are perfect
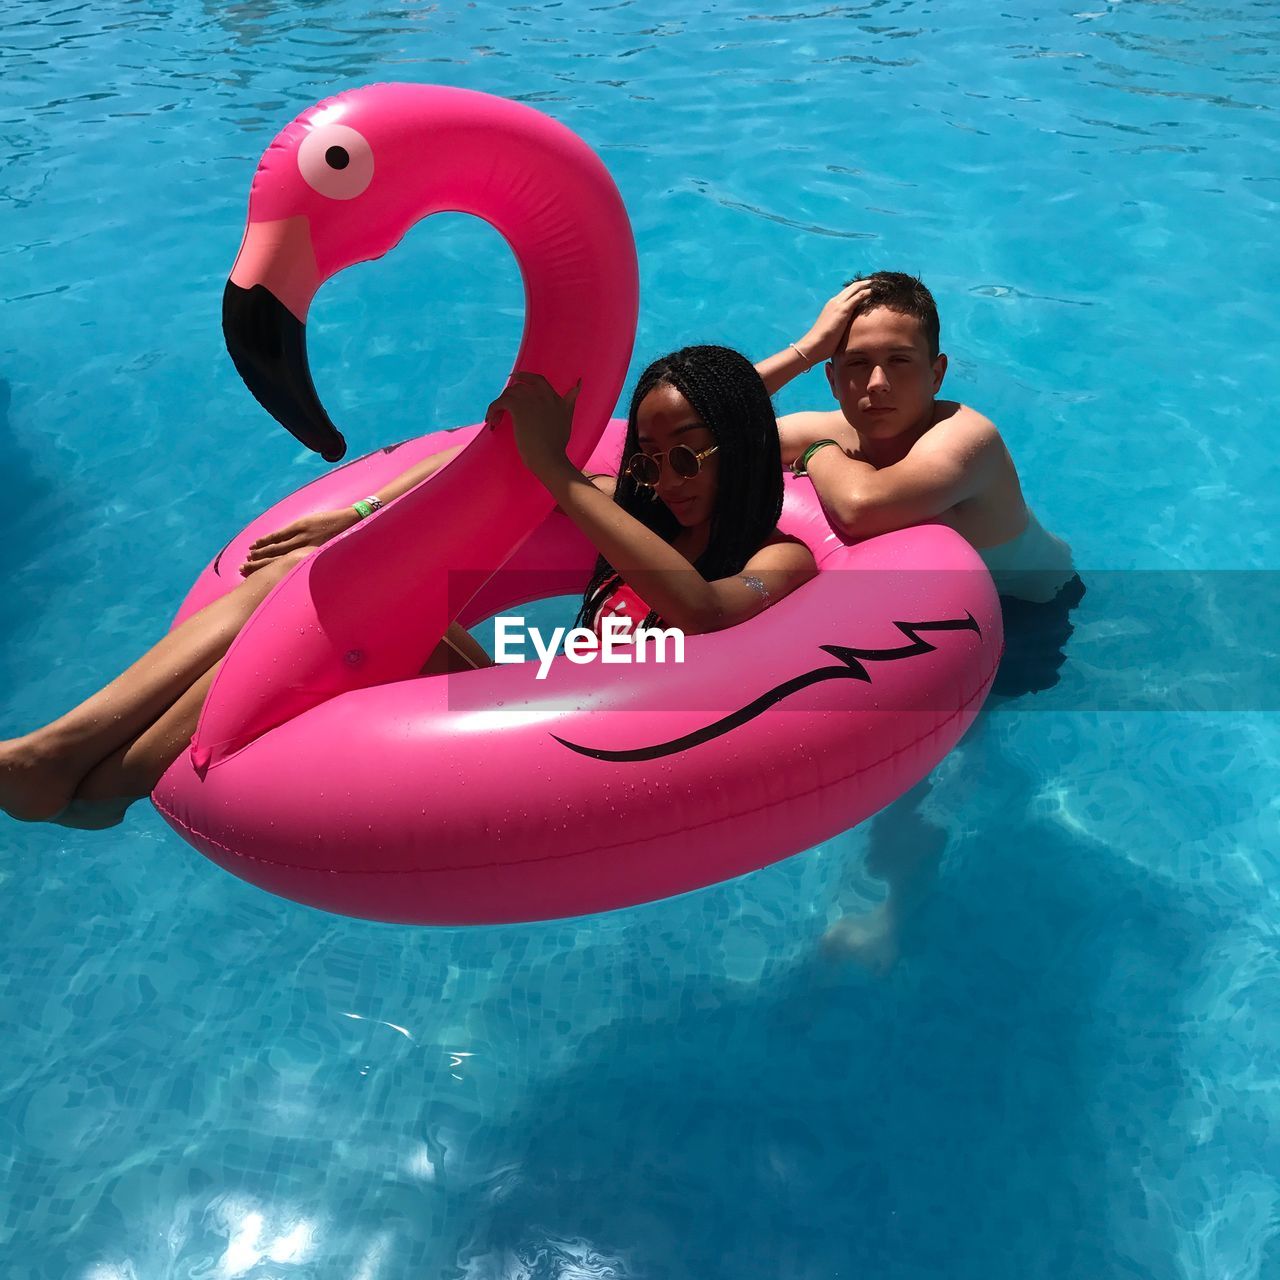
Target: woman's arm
[[666, 581], [317, 528], [605, 483], [416, 474], [776, 570], [663, 578]]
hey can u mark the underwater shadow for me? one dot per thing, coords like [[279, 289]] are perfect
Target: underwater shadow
[[904, 848], [940, 1120], [1035, 643]]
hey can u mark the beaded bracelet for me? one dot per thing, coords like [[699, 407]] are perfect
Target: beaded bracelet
[[800, 467]]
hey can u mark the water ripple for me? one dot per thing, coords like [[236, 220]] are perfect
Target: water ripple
[[705, 189], [1008, 291], [867, 58]]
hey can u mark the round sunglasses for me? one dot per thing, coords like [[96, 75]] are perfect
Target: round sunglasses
[[646, 468]]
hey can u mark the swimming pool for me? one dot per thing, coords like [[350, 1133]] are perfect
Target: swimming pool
[[1069, 1070]]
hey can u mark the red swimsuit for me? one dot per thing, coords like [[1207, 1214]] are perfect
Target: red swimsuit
[[621, 602]]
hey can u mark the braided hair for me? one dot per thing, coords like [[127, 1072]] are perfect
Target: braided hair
[[728, 395]]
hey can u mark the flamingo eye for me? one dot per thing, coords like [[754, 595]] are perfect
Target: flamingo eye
[[336, 161]]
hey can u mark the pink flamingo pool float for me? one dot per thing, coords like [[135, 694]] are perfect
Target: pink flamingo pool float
[[325, 770]]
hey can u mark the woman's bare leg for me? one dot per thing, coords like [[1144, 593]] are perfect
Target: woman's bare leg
[[40, 771], [131, 773], [458, 650]]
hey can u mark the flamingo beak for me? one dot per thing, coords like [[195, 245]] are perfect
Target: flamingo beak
[[264, 313], [268, 344]]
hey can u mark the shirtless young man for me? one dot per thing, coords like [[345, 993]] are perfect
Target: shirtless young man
[[902, 457]]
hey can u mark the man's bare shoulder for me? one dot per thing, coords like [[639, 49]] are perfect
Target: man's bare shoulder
[[957, 426]]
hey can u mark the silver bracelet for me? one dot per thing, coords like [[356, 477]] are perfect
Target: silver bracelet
[[756, 585]]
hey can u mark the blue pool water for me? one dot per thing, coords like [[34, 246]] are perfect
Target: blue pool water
[[1064, 1062]]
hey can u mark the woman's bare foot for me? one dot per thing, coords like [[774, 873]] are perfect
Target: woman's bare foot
[[36, 784]]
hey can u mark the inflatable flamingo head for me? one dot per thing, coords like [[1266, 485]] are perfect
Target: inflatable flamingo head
[[347, 179]]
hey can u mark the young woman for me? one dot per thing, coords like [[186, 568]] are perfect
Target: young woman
[[688, 534]]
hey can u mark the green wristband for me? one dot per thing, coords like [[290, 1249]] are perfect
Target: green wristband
[[362, 509], [800, 467]]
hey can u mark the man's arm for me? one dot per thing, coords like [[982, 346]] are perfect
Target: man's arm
[[777, 370], [818, 344], [949, 464], [797, 431]]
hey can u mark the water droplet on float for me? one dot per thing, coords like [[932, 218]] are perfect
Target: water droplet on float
[[352, 657]]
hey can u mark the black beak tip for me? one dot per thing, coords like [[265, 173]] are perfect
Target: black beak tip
[[268, 345]]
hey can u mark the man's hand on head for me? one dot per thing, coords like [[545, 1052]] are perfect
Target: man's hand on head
[[820, 342]]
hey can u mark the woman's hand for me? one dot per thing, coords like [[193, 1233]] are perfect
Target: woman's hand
[[540, 418], [309, 531], [819, 343]]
